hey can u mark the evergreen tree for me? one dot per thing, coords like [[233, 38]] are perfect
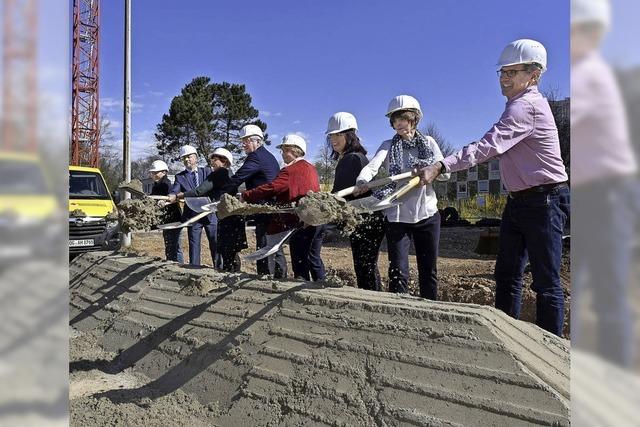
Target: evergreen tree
[[189, 120], [232, 110], [207, 116]]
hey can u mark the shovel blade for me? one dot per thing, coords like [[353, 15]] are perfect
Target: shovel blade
[[269, 250], [371, 204], [132, 190], [196, 204], [170, 226]]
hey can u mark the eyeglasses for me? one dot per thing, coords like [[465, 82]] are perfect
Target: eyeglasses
[[508, 73]]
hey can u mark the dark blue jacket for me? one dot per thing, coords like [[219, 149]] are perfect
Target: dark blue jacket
[[183, 184], [258, 168]]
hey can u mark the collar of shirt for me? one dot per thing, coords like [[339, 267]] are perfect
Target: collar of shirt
[[530, 90]]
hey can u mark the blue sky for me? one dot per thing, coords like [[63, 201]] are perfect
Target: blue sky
[[304, 60]]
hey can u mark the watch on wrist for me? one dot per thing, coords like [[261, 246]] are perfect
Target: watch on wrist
[[443, 168]]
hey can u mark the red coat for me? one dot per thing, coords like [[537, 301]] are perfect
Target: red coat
[[293, 182]]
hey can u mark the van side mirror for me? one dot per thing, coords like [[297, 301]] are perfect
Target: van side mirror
[[116, 196]]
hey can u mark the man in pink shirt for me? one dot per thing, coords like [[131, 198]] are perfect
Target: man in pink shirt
[[525, 139]]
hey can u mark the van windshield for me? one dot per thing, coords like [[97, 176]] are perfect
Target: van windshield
[[87, 185]]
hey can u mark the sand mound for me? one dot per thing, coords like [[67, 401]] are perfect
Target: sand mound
[[299, 354]]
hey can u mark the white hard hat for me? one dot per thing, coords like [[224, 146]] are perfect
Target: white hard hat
[[158, 165], [251, 130], [523, 51], [340, 122], [404, 102], [185, 150], [585, 11], [223, 152], [295, 140]]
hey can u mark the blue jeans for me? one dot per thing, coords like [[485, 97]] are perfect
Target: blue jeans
[[172, 246], [426, 238], [531, 228], [195, 233]]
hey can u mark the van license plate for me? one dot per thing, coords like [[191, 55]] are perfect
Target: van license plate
[[80, 243]]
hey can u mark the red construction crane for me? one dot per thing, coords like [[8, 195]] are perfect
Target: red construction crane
[[20, 85], [85, 98]]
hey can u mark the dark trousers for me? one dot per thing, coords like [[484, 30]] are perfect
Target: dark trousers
[[602, 235], [194, 233], [262, 265], [531, 227], [230, 261], [316, 266], [426, 237], [365, 247], [172, 246], [305, 245]]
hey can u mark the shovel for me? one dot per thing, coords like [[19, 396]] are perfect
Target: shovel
[[198, 204], [269, 250], [372, 204], [375, 184], [174, 225], [127, 187]]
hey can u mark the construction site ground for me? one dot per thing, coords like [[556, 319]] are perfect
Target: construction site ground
[[154, 343]]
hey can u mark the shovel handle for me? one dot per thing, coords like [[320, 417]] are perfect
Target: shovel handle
[[154, 197], [375, 184], [404, 190]]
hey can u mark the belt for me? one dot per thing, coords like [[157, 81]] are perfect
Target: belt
[[545, 188]]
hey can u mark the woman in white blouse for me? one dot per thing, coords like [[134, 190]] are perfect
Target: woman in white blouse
[[417, 217]]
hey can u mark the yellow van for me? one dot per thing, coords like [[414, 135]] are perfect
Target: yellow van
[[93, 224]]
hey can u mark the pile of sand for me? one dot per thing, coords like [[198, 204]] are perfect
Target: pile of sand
[[314, 209], [229, 206], [324, 208], [134, 184], [140, 214], [77, 213]]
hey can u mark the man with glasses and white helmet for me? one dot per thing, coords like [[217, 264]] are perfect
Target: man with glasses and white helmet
[[190, 179], [259, 167], [525, 138]]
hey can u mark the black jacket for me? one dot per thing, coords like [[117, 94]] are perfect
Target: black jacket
[[258, 168], [347, 170], [232, 236], [162, 188]]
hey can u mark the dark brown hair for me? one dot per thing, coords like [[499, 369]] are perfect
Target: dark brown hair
[[409, 115], [353, 144]]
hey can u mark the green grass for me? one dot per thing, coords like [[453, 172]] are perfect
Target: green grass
[[470, 210]]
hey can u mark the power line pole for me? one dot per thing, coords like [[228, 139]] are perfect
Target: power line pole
[[126, 137]]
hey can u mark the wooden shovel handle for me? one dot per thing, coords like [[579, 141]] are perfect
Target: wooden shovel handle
[[405, 189], [375, 184]]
